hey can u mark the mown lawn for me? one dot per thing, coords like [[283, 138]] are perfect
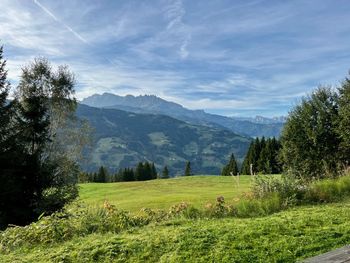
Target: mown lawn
[[287, 236], [161, 194]]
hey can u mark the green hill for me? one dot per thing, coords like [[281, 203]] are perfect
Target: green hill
[[122, 139]]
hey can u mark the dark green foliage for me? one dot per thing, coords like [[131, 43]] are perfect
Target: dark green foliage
[[145, 171], [142, 172], [102, 175], [128, 175], [343, 129], [154, 173], [165, 173], [231, 168], [36, 176], [263, 157], [309, 138], [188, 170]]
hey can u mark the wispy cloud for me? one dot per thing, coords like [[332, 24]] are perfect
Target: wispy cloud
[[47, 11], [242, 57]]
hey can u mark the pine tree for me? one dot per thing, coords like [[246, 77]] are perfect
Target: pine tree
[[153, 171], [102, 175], [14, 207], [147, 171], [140, 172], [188, 171], [264, 158], [165, 173], [250, 159], [231, 167]]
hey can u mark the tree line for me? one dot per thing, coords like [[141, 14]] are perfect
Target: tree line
[[263, 157], [143, 171]]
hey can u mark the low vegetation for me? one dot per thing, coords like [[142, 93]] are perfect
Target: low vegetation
[[184, 232]]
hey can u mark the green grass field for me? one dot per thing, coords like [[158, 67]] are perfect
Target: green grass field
[[162, 194], [287, 236]]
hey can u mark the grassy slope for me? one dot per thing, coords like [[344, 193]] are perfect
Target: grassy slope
[[283, 237], [197, 190]]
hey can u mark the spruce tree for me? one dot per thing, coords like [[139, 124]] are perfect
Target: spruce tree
[[165, 173], [102, 175], [231, 167], [263, 163], [188, 171], [140, 172], [153, 171], [147, 171], [251, 157], [14, 208]]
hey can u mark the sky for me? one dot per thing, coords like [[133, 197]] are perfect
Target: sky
[[230, 57]]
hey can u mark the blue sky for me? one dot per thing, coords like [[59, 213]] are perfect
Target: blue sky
[[241, 58]]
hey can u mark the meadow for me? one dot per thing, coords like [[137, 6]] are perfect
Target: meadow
[[162, 194], [92, 230]]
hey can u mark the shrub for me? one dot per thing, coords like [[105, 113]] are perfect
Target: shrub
[[183, 209], [219, 209]]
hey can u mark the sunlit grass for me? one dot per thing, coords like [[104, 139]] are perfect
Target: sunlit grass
[[161, 194]]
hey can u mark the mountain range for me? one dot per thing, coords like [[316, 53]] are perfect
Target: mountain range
[[150, 104], [124, 138]]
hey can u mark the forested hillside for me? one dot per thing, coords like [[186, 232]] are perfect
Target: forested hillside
[[122, 139]]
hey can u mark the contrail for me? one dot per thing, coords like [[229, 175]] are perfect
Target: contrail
[[60, 22]]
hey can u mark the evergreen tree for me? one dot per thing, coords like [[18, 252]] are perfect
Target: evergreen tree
[[147, 171], [153, 172], [102, 175], [231, 167], [251, 157], [140, 172], [165, 173], [14, 208], [128, 175], [263, 163], [188, 171]]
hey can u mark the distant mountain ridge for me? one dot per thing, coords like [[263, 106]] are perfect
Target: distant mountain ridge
[[122, 139], [150, 104]]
